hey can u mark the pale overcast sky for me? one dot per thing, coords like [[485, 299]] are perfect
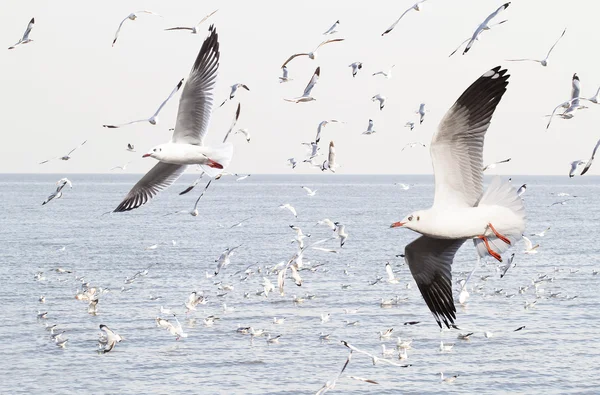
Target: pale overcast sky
[[60, 89]]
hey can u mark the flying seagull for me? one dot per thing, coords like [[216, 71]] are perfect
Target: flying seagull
[[111, 339], [187, 144], [330, 164], [574, 166], [461, 210], [25, 39], [369, 128], [234, 122], [130, 147], [194, 29], [421, 112], [493, 165], [380, 99], [65, 157], [415, 7], [313, 54], [306, 97], [355, 67], [153, 120], [132, 17], [484, 26], [245, 132], [58, 194], [284, 77], [234, 89], [589, 162], [386, 74], [543, 62], [332, 30], [322, 124], [223, 259]]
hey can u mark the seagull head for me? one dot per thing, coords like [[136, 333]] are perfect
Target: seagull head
[[156, 152], [411, 221]]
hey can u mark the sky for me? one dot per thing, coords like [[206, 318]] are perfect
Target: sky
[[60, 89]]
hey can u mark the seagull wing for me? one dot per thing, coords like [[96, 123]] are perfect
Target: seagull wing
[[206, 17], [331, 156], [552, 47], [313, 81], [589, 162], [147, 12], [457, 146], [528, 243], [235, 119], [292, 57], [485, 23], [389, 271], [389, 29], [73, 150], [161, 176], [568, 102], [328, 41], [174, 91], [180, 28], [118, 31], [195, 104], [186, 190], [430, 263], [28, 30]]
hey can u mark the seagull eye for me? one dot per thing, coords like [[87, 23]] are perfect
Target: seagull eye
[[160, 149], [410, 218], [154, 150]]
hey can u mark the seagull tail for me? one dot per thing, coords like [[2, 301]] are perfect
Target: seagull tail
[[502, 194], [221, 154]]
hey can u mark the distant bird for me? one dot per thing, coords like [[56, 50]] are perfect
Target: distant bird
[[25, 39], [521, 189], [153, 120], [412, 145], [322, 124], [111, 339], [242, 178], [175, 330], [65, 157], [571, 105], [594, 99], [124, 167], [404, 187], [236, 117], [289, 207], [330, 384], [448, 380], [332, 30], [292, 162], [314, 148], [341, 233], [390, 273], [421, 112], [130, 148], [493, 165], [309, 191], [327, 222], [306, 97], [380, 99], [194, 212], [529, 247], [542, 233], [589, 162], [194, 29], [410, 125], [355, 67], [234, 89], [508, 265], [132, 17], [313, 54], [236, 225], [187, 143], [543, 62], [58, 194], [486, 28], [285, 75], [415, 7], [245, 132], [446, 346], [386, 74], [223, 259], [483, 26], [369, 128], [330, 164], [562, 202], [574, 166]]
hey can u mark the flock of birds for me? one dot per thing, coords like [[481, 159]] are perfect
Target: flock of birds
[[494, 219]]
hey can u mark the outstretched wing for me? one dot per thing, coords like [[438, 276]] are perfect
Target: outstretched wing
[[313, 81], [292, 57], [174, 91]]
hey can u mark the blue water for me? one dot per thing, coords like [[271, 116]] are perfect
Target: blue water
[[555, 353]]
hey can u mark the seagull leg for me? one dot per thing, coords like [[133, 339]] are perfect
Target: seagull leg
[[498, 235], [490, 251]]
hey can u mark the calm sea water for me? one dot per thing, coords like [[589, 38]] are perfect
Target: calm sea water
[[555, 353]]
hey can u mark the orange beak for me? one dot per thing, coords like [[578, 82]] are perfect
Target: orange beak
[[145, 155], [397, 224]]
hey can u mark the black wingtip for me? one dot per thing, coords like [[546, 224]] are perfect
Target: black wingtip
[[318, 71], [32, 20]]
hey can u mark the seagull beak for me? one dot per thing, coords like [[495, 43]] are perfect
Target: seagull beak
[[146, 155], [397, 224]]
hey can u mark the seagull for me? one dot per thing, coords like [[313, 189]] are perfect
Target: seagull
[[341, 233], [193, 185], [594, 99], [25, 39], [589, 162], [311, 84], [448, 380], [245, 132], [111, 339], [404, 187], [65, 157], [508, 265], [571, 105], [309, 191], [330, 163], [313, 54], [415, 7], [58, 194], [493, 165], [241, 178], [314, 148], [332, 30], [542, 233], [292, 162], [421, 112], [380, 99], [194, 29], [574, 166], [186, 146], [322, 124], [153, 120], [529, 247], [562, 202], [124, 167], [355, 67], [412, 145], [234, 122], [461, 209], [327, 222], [239, 223], [369, 128], [284, 77], [130, 147], [234, 89], [483, 26], [386, 74], [194, 212], [446, 346], [486, 28], [223, 259], [543, 62], [289, 207], [132, 17], [374, 358], [175, 330], [521, 189], [390, 273], [330, 384], [194, 300], [410, 125]]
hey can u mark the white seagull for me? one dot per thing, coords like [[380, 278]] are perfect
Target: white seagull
[[153, 120], [410, 125], [25, 39], [574, 166], [111, 339], [332, 30], [245, 132], [130, 147], [132, 17], [542, 233], [390, 273], [194, 29], [493, 165], [289, 207], [187, 144], [309, 191], [369, 128], [330, 164], [306, 97], [234, 89], [421, 112], [415, 7], [461, 210], [386, 74], [340, 230], [413, 145], [486, 28], [483, 26], [284, 75], [322, 124], [292, 162], [380, 99], [589, 162], [223, 259], [355, 67], [543, 62], [234, 122], [529, 247], [65, 157], [508, 265], [58, 194], [313, 54]]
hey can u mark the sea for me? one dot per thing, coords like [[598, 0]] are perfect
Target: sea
[[555, 352]]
